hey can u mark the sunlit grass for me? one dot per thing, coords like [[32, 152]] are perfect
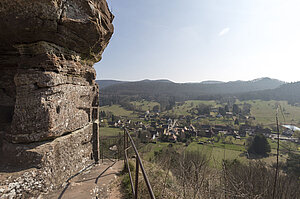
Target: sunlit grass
[[107, 131], [265, 112], [117, 110], [144, 105]]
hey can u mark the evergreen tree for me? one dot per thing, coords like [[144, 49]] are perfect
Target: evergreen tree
[[235, 109], [236, 122], [259, 145]]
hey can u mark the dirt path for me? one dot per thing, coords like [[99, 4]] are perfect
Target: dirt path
[[98, 182], [115, 192]]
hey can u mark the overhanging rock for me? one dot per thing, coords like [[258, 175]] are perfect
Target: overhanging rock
[[48, 90]]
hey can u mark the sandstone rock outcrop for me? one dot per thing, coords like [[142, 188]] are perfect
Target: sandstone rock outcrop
[[48, 94]]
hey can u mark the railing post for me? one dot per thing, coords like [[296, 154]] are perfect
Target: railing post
[[101, 147], [119, 146], [134, 187], [137, 165], [124, 147], [96, 136], [127, 139]]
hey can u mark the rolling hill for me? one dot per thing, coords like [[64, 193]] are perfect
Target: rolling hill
[[105, 83], [189, 90], [164, 90], [289, 92]]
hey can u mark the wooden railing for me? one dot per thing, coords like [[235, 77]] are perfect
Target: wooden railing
[[134, 186]]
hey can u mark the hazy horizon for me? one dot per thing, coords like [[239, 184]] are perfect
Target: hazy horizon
[[194, 41], [191, 81]]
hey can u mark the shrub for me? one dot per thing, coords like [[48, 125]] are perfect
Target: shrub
[[256, 180]]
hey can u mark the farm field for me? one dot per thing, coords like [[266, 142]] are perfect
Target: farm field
[[216, 153], [265, 111], [144, 105], [118, 111], [107, 131], [182, 109]]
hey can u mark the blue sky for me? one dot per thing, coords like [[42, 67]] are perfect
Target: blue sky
[[197, 40]]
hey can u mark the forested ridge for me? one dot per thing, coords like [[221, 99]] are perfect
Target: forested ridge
[[164, 90]]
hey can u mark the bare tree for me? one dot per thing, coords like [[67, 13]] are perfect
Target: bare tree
[[256, 180]]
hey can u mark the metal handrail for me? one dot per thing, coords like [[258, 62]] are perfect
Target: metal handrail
[[138, 164], [116, 154]]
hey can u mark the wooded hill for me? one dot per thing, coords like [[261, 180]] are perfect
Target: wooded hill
[[289, 92], [263, 88]]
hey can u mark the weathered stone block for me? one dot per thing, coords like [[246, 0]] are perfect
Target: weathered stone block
[[47, 164], [59, 104]]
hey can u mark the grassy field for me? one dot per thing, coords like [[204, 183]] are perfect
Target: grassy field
[[182, 109], [144, 105], [235, 144], [106, 131], [214, 153], [217, 154], [265, 112], [118, 110], [147, 152]]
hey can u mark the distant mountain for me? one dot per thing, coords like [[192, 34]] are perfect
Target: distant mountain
[[267, 82], [257, 84], [211, 82], [188, 90], [105, 83], [158, 80]]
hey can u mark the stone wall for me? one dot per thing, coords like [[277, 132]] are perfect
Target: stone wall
[[48, 94]]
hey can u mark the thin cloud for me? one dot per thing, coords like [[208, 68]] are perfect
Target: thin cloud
[[224, 31]]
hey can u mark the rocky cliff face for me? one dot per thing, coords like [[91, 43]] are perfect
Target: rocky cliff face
[[48, 92]]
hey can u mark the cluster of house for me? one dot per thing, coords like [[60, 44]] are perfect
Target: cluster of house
[[171, 131], [168, 130]]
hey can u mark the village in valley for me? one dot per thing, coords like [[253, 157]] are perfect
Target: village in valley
[[200, 124], [185, 132], [165, 129]]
